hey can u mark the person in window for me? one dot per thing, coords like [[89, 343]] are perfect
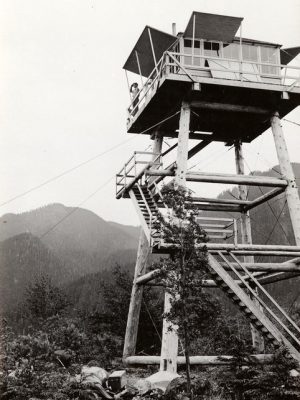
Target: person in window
[[134, 91]]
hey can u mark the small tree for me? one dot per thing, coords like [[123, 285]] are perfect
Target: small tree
[[43, 299], [192, 309]]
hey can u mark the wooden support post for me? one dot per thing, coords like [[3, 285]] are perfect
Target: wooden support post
[[183, 139], [136, 298], [169, 349], [246, 235], [286, 169], [169, 345]]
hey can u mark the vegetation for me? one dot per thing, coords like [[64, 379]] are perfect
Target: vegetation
[[192, 309]]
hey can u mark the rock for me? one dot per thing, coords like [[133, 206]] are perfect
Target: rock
[[161, 380], [294, 373], [143, 386], [93, 375]]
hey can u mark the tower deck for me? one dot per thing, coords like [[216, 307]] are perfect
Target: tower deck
[[227, 104]]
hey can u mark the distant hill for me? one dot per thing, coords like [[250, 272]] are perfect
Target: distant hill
[[23, 258], [83, 247], [82, 241]]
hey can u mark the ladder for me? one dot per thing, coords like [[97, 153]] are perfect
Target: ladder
[[148, 212], [265, 313]]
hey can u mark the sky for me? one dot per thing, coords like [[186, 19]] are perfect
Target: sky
[[64, 96]]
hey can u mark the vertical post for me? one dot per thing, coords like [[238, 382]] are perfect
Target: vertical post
[[153, 52], [136, 298], [139, 67], [241, 53], [169, 344], [169, 349], [246, 234], [140, 269], [183, 140], [286, 169], [193, 42]]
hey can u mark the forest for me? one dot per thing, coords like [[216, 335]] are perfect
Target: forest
[[65, 305]]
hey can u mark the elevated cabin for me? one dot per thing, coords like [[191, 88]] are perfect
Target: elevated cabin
[[218, 72]]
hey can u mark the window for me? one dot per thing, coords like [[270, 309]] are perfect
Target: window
[[231, 51], [211, 49], [249, 52], [269, 55], [188, 49]]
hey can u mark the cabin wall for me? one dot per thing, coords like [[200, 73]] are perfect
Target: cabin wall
[[192, 49]]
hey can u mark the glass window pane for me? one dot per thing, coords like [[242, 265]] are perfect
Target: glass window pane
[[269, 55], [249, 52], [231, 51], [212, 49]]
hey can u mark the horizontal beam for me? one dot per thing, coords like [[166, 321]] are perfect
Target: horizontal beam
[[252, 267], [220, 201], [202, 360], [229, 107], [216, 207], [278, 277], [195, 136], [224, 178]]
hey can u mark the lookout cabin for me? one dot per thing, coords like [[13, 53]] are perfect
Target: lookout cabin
[[209, 64]]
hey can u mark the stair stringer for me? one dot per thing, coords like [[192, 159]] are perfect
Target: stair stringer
[[140, 215]]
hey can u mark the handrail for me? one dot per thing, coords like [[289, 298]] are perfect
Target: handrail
[[136, 176], [168, 56], [257, 283], [282, 66], [253, 292], [142, 93]]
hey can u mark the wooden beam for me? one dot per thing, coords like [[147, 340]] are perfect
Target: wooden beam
[[202, 360], [196, 136], [278, 277], [183, 139], [260, 247], [217, 207], [220, 201], [197, 148], [229, 107], [262, 199], [224, 178], [136, 298], [253, 267]]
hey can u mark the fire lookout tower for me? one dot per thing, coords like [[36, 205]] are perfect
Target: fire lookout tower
[[202, 86]]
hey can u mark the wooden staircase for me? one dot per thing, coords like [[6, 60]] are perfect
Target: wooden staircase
[[264, 313], [148, 212], [241, 287]]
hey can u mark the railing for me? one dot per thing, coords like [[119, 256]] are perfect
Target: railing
[[134, 169], [248, 279], [225, 68]]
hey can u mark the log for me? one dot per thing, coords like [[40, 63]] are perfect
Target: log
[[229, 107], [224, 178], [201, 360], [264, 198]]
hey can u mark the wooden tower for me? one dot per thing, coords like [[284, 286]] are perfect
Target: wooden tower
[[199, 87]]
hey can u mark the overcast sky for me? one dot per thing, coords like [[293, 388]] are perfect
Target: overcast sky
[[64, 94]]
